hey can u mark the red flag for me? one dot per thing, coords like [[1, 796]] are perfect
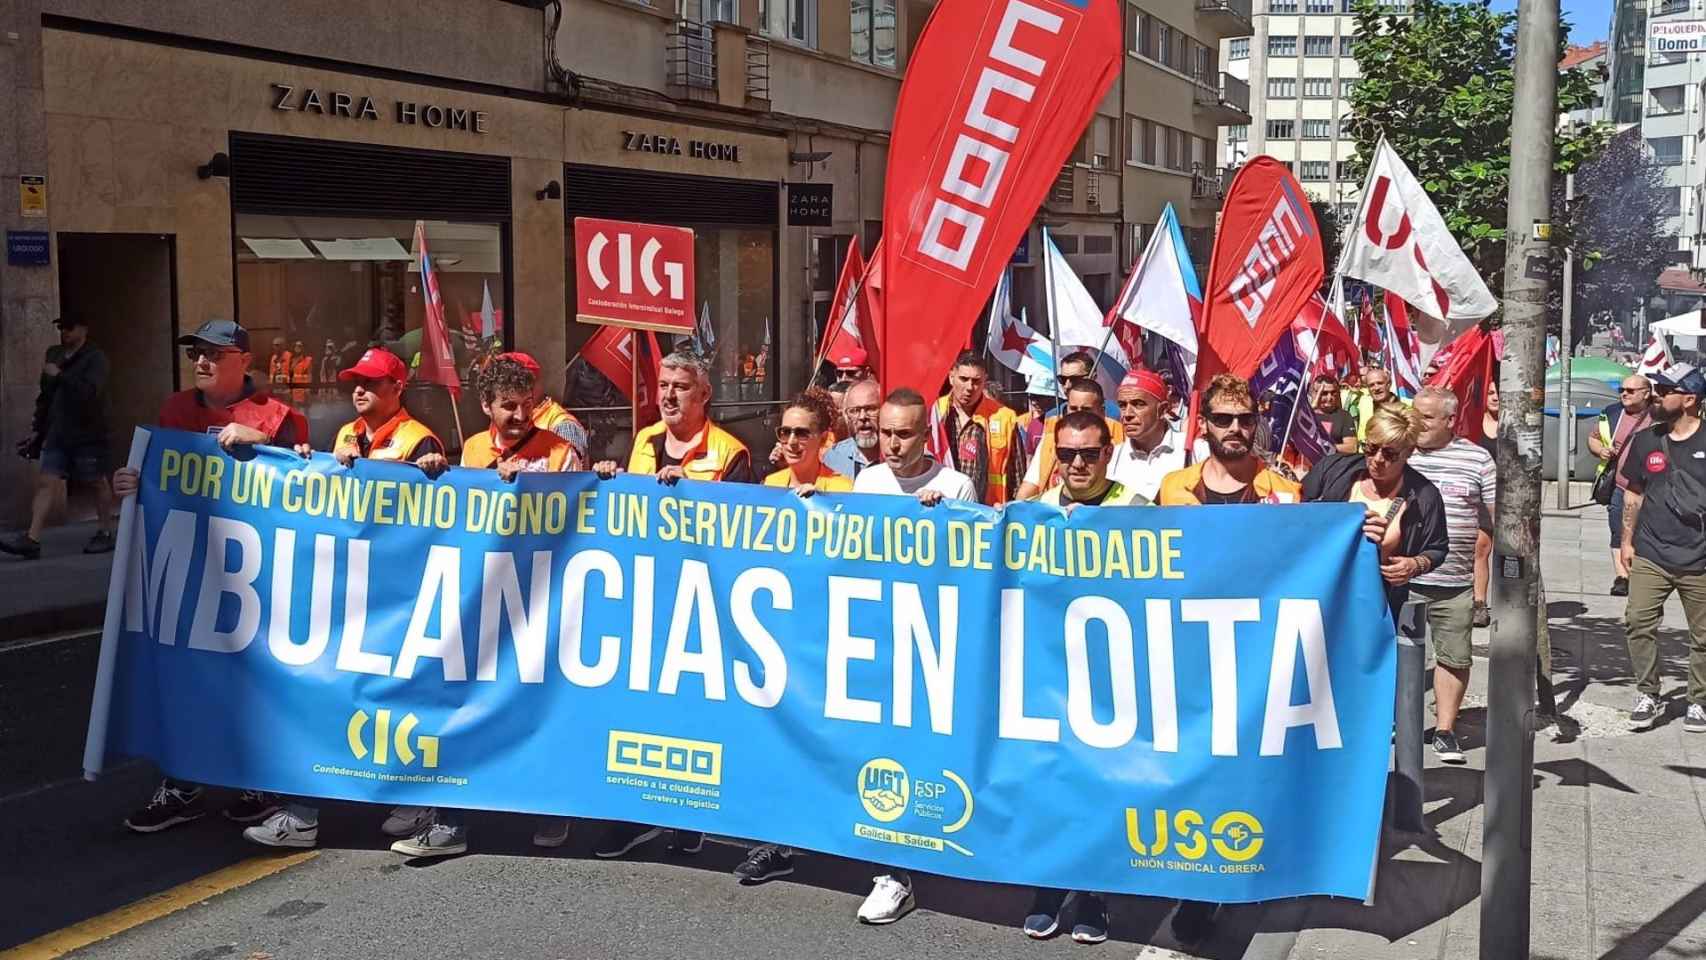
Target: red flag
[[873, 311], [1320, 332], [843, 328], [1265, 267], [1404, 351], [438, 363], [610, 351], [994, 99], [1466, 371]]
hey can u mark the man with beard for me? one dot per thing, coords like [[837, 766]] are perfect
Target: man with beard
[[1664, 540], [974, 434], [1153, 445], [861, 448], [1618, 424], [1336, 422], [1232, 473]]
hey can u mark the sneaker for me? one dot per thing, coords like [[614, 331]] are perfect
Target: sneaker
[[1695, 721], [890, 900], [766, 862], [1446, 747], [1044, 917], [435, 840], [622, 837], [21, 545], [170, 806], [283, 829], [1645, 714], [102, 542], [1481, 616], [1620, 587], [552, 833], [407, 821], [686, 841], [1193, 922], [1090, 919], [252, 806]]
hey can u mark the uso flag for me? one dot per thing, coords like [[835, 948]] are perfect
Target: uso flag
[[997, 93], [1265, 267]]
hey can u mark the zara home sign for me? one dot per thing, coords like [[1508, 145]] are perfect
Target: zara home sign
[[332, 103]]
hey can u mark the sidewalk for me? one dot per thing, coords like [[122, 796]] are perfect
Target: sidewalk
[[1619, 839], [64, 590]]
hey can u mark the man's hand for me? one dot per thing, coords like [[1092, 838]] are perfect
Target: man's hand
[[237, 435], [507, 469], [668, 475], [1374, 526], [804, 490], [125, 481], [347, 454], [51, 369], [433, 465], [1628, 552], [929, 497], [304, 451], [605, 469], [1400, 570]]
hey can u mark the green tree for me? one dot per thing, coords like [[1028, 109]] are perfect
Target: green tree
[[1438, 85], [1327, 218]]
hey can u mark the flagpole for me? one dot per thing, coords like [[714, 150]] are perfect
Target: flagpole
[[1302, 390], [1048, 308], [456, 414]]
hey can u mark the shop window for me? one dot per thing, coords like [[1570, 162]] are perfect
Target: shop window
[[316, 292]]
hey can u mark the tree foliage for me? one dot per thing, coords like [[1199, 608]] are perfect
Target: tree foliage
[[1439, 86], [1616, 228], [1327, 218]]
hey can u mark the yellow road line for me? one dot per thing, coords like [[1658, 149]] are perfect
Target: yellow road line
[[95, 929]]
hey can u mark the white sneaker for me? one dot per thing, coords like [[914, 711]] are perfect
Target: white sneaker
[[434, 840], [890, 900], [406, 821], [283, 829], [553, 832]]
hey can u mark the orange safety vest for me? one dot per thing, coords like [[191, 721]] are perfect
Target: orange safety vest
[[395, 440], [828, 481], [1179, 488], [1046, 460], [302, 370], [278, 368], [713, 452], [541, 451], [1001, 425]]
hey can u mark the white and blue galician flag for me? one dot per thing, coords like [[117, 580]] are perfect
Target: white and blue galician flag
[[1012, 341], [1076, 321], [1163, 297]]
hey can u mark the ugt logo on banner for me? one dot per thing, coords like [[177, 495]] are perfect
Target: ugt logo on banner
[[634, 275]]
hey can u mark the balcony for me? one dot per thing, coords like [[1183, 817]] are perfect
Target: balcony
[[1083, 189], [1226, 102], [690, 57], [1208, 186], [1229, 18]]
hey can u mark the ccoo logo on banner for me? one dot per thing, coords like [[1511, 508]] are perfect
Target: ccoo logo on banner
[[634, 275]]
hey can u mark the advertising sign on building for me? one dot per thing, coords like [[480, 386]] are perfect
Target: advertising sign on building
[[1676, 36], [32, 195], [634, 275], [810, 204]]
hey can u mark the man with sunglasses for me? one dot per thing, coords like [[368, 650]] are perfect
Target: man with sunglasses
[[1082, 394], [851, 365], [1232, 473], [1619, 422], [1664, 541], [224, 402]]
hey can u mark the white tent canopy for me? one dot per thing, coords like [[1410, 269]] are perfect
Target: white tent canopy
[[1681, 325]]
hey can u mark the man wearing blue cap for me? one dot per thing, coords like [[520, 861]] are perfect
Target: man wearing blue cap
[[1664, 541], [224, 402]]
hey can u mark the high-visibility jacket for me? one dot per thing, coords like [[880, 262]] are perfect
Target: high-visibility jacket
[[1179, 488], [828, 481], [1046, 459], [714, 452], [1364, 409], [398, 439], [541, 451], [1001, 426], [302, 370], [1119, 495]]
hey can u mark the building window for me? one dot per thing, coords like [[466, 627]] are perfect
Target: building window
[[1239, 49], [1346, 85], [1318, 130], [1282, 88], [1164, 44], [1347, 46], [1318, 88], [1317, 46], [316, 293], [1282, 6], [1345, 172], [1145, 144], [1666, 101], [1205, 65], [873, 32], [1138, 42], [791, 20], [1096, 148], [1313, 170], [1667, 151], [1281, 129], [1282, 46], [1238, 132], [1318, 6]]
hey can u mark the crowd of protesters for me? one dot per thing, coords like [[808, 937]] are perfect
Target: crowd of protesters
[[1426, 486]]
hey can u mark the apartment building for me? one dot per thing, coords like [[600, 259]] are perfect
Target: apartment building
[[1661, 93], [1300, 64]]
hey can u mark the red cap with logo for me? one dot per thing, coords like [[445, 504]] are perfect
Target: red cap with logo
[[1148, 381], [850, 358], [530, 364], [377, 364]]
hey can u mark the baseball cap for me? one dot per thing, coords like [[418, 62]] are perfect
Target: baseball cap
[[851, 358], [527, 361], [1040, 385], [377, 364], [218, 333], [1682, 377], [64, 322]]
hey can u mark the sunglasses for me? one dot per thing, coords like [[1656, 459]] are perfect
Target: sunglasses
[[1661, 390], [1375, 450], [794, 433], [1632, 389], [1222, 421], [1071, 454], [212, 353], [843, 373]]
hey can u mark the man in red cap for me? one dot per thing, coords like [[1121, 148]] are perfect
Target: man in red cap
[[851, 365], [550, 415], [1154, 446], [382, 428]]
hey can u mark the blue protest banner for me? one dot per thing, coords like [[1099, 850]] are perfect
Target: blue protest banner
[[1188, 702]]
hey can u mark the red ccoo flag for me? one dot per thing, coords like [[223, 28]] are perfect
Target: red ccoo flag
[[995, 97], [438, 363], [1466, 371], [845, 327]]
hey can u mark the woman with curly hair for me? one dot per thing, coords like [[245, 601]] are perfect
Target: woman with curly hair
[[800, 443]]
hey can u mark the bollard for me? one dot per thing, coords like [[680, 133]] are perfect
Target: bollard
[[1407, 717]]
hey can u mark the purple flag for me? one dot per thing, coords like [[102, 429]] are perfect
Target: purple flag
[[1278, 383]]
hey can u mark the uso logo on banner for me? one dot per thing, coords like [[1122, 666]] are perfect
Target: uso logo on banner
[[634, 275]]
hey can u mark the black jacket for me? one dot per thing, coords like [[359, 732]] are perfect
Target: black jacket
[[71, 407], [1421, 528]]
